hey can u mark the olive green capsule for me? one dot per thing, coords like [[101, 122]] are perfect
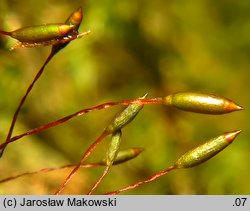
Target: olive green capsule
[[57, 35], [206, 151], [201, 103], [57, 44], [113, 147], [33, 34], [126, 155], [125, 117]]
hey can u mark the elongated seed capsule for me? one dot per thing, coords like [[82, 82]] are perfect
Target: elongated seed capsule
[[206, 151], [40, 33], [63, 41], [124, 155], [113, 147], [201, 103], [125, 117]]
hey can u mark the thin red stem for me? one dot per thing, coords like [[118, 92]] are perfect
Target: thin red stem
[[85, 156], [80, 113], [23, 100], [149, 179], [45, 170], [99, 180]]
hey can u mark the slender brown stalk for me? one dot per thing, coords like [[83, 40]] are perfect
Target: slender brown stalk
[[85, 156], [192, 158], [113, 150], [12, 125], [45, 170], [149, 179], [99, 180], [123, 156], [80, 113]]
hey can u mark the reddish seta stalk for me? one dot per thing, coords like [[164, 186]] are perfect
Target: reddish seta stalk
[[78, 113], [85, 156], [149, 179], [3, 146]]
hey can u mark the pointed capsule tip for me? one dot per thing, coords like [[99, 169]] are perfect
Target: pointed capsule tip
[[79, 9], [138, 150], [77, 16], [230, 136], [238, 107], [232, 106]]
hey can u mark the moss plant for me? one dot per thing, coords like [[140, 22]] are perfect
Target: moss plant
[[58, 36]]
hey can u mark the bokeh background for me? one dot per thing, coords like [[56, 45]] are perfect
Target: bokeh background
[[140, 46]]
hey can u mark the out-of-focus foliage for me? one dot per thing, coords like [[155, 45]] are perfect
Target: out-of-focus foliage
[[137, 46]]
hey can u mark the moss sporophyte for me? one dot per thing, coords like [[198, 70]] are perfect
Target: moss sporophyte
[[75, 20], [125, 117], [119, 121], [114, 147], [48, 34], [59, 35], [206, 151], [125, 155], [40, 33], [201, 103], [191, 158]]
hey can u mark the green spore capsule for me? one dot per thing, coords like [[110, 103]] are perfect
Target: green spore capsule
[[57, 35], [33, 34], [62, 42], [201, 103], [206, 151], [125, 117], [113, 148], [124, 155]]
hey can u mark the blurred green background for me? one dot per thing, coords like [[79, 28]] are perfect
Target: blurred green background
[[139, 46]]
